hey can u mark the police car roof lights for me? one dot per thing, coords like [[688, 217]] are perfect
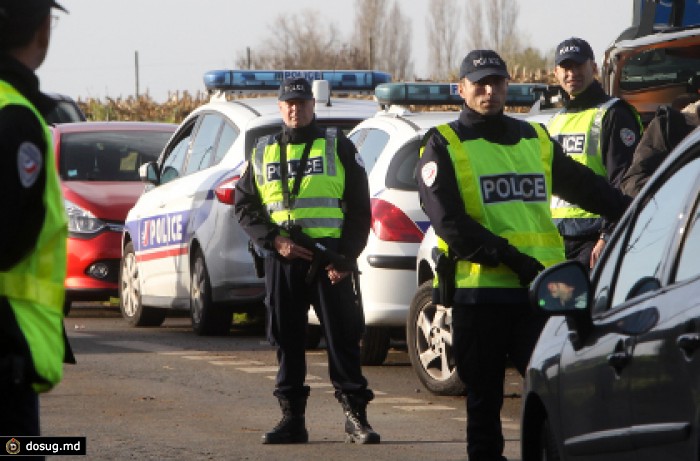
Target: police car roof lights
[[418, 93], [269, 80], [427, 93]]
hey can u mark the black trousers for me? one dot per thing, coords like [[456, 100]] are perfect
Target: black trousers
[[288, 300], [19, 410], [19, 404], [485, 338]]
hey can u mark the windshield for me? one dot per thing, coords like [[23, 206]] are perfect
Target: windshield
[[108, 155], [661, 66]]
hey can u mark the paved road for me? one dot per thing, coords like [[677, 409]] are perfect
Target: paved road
[[164, 393]]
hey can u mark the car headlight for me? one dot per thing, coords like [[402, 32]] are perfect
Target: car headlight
[[81, 221]]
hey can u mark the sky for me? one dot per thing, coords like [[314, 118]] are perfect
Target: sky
[[93, 48]]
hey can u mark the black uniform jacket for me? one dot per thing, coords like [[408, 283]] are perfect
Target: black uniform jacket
[[470, 240], [664, 132], [256, 222]]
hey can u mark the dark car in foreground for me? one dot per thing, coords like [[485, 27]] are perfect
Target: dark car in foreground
[[98, 165], [616, 372]]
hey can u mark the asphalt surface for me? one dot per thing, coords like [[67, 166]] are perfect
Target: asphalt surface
[[167, 394]]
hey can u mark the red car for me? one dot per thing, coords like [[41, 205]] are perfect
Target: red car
[[98, 164]]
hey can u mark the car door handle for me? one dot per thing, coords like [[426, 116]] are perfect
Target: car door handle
[[688, 342], [618, 360]]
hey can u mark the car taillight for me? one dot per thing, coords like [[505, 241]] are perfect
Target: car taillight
[[391, 224], [226, 190]]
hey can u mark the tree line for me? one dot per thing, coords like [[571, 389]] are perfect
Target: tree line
[[381, 40]]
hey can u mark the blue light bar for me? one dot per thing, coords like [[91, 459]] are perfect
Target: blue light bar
[[266, 80], [420, 93], [426, 94]]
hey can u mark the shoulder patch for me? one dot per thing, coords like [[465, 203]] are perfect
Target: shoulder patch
[[29, 163], [628, 137], [429, 173]]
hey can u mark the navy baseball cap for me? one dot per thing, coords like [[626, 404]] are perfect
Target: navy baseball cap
[[482, 63], [575, 49], [295, 88]]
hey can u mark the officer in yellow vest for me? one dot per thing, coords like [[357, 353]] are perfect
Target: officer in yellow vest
[[33, 254], [485, 182], [313, 178], [596, 130]]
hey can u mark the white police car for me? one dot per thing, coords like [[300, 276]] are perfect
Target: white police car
[[182, 246], [389, 145]]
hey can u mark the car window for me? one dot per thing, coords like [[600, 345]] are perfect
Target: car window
[[65, 112], [175, 156], [108, 155], [253, 136], [659, 67], [370, 143], [689, 262], [606, 277], [402, 169], [226, 140], [204, 143], [653, 228]]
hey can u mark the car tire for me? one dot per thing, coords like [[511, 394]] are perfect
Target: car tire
[[208, 319], [548, 446], [374, 346], [429, 342], [313, 336], [130, 305]]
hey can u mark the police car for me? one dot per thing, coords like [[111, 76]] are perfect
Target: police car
[[182, 247], [389, 144]]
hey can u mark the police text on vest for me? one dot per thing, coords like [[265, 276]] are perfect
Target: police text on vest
[[511, 187]]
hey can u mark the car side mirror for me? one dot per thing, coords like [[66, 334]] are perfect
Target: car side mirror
[[565, 289], [148, 172], [561, 289]]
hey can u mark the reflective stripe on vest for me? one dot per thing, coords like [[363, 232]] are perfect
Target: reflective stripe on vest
[[506, 189], [579, 133], [317, 208], [35, 285]]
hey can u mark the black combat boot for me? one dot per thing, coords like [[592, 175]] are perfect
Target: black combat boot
[[357, 428], [292, 427]]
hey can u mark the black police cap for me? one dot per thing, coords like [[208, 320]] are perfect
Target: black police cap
[[295, 88]]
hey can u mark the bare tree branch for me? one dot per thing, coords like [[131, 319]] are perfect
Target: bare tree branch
[[443, 30]]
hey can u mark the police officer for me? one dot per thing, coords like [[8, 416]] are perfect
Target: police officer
[[33, 254], [598, 131], [485, 182], [313, 178]]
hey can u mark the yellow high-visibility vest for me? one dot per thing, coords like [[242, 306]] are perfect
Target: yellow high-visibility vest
[[35, 286], [507, 189], [317, 208]]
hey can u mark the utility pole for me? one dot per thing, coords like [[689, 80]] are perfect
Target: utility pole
[[136, 63]]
